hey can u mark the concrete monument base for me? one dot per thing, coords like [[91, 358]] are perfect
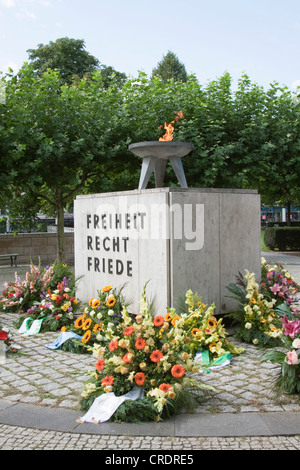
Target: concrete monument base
[[175, 238]]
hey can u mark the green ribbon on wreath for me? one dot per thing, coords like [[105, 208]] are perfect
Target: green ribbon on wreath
[[30, 330], [202, 359]]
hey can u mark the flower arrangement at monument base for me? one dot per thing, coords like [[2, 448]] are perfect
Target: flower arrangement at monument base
[[149, 353], [20, 295], [103, 312], [259, 317], [55, 309], [288, 356], [203, 331], [277, 283]]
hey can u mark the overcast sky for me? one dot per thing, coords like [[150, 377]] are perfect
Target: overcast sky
[[257, 37]]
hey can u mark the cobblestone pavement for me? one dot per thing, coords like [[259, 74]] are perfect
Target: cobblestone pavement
[[50, 378], [17, 438]]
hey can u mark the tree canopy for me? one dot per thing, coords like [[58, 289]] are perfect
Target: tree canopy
[[69, 57], [61, 139], [170, 68], [66, 55]]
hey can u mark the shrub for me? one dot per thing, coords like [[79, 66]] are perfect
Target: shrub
[[283, 238]]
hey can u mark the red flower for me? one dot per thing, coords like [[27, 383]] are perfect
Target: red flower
[[127, 358], [128, 331], [10, 294], [156, 356], [158, 320], [58, 299], [113, 345], [100, 364], [108, 380], [140, 378], [165, 387], [140, 343], [3, 335], [178, 371]]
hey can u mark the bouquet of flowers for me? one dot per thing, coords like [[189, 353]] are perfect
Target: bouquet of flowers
[[277, 283], [104, 311], [203, 331], [148, 352], [256, 319], [288, 356], [55, 308], [20, 295]]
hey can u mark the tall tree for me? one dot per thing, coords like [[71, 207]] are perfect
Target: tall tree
[[170, 68], [66, 55]]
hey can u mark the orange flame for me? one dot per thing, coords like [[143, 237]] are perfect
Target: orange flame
[[168, 136]]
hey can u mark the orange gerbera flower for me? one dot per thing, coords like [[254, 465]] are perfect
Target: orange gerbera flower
[[128, 357], [96, 328], [108, 380], [106, 289], [212, 322], [86, 337], [128, 331], [174, 320], [87, 324], [95, 303], [156, 356], [178, 371], [140, 378], [79, 322], [165, 387], [110, 301], [140, 343], [100, 364], [158, 320], [195, 331], [168, 317], [113, 345]]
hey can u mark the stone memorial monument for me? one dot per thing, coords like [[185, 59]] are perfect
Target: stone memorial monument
[[173, 239]]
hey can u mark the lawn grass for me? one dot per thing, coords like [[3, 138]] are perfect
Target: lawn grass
[[262, 243]]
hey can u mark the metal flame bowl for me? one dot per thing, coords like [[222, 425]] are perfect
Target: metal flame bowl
[[162, 150]]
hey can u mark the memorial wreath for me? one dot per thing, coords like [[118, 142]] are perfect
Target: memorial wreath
[[145, 364]]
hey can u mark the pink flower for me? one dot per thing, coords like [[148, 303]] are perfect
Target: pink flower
[[291, 327], [292, 358], [275, 288]]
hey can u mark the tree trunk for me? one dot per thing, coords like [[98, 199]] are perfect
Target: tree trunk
[[60, 227]]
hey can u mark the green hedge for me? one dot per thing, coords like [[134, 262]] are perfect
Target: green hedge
[[283, 238]]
